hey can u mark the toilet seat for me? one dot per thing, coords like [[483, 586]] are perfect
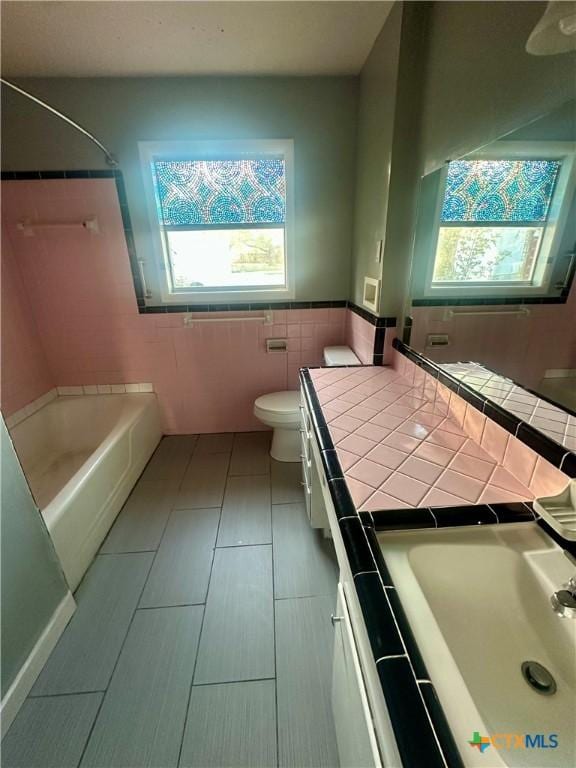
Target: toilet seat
[[279, 407]]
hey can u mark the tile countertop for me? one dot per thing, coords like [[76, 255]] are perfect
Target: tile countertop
[[403, 444]]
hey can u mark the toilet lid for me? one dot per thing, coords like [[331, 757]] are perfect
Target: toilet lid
[[279, 402]]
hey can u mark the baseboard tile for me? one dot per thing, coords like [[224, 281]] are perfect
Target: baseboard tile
[[26, 677]]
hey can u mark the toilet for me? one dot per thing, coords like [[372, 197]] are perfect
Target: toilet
[[281, 410]]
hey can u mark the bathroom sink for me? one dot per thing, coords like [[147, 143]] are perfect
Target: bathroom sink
[[478, 602]]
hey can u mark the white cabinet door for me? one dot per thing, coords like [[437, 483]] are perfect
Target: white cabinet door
[[305, 454], [357, 747]]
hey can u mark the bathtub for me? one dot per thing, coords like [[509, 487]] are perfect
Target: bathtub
[[81, 456]]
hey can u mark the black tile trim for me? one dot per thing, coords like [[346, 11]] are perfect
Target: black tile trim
[[378, 556], [501, 416], [476, 514], [558, 455], [476, 302], [343, 504], [443, 732], [324, 438], [356, 544], [403, 519], [415, 671], [414, 736], [104, 173], [332, 468], [568, 465], [252, 306], [379, 339], [380, 623], [406, 633], [539, 442], [379, 322], [513, 512]]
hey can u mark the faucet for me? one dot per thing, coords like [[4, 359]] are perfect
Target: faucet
[[564, 600]]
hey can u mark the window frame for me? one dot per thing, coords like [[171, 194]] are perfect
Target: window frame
[[553, 226], [158, 269]]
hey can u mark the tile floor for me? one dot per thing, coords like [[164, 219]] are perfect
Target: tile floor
[[202, 635]]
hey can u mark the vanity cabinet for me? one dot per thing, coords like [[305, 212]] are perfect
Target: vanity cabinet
[[313, 479], [355, 735]]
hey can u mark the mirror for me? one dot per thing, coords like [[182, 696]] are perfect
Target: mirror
[[493, 295]]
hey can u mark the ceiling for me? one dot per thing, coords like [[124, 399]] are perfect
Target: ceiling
[[131, 38]]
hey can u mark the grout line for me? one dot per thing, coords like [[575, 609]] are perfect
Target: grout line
[[162, 607], [233, 682], [127, 552], [119, 654], [274, 626], [247, 544], [304, 597], [493, 511], [68, 693], [199, 637]]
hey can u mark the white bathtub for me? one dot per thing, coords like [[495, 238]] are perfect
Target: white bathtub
[[82, 455]]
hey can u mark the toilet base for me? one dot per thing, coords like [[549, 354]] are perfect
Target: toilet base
[[285, 445]]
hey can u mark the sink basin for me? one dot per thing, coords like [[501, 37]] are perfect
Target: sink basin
[[478, 603]]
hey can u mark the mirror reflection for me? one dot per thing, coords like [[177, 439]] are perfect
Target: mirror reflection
[[493, 296]]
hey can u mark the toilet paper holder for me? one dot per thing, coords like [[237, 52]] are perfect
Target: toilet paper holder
[[276, 345]]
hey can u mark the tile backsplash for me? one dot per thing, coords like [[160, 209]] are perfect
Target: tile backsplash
[[531, 470], [550, 419]]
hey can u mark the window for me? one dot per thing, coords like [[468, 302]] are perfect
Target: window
[[222, 219], [498, 224]]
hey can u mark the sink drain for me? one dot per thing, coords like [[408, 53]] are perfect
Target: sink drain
[[538, 678]]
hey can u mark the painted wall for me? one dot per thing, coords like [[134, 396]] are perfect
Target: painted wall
[[80, 289], [479, 81], [25, 374], [388, 167], [32, 581], [522, 348], [376, 108], [318, 113]]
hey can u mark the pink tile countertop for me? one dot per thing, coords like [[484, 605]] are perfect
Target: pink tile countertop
[[404, 440]]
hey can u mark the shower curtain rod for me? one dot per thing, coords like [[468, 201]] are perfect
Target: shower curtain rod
[[110, 158]]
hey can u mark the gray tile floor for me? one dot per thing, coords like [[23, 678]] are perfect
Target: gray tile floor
[[202, 636]]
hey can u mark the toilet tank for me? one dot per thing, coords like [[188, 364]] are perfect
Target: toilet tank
[[340, 356]]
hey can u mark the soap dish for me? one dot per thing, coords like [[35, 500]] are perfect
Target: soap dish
[[560, 511]]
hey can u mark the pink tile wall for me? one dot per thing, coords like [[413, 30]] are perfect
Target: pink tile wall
[[80, 287], [360, 337], [524, 464], [517, 347], [25, 371], [389, 350]]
